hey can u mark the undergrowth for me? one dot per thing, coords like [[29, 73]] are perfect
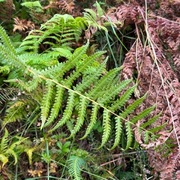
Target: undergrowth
[[78, 94]]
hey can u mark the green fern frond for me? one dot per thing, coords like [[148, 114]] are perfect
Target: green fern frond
[[114, 91], [100, 84], [132, 107], [118, 128], [81, 115], [75, 165], [106, 127], [93, 120], [56, 106], [143, 114], [46, 102], [12, 153], [67, 112], [129, 134], [88, 80], [64, 29], [123, 99], [4, 38], [3, 159], [15, 112], [4, 141], [11, 59], [150, 121], [69, 83]]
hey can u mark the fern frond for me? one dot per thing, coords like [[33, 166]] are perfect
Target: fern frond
[[56, 106], [6, 41], [81, 115], [75, 165], [46, 102], [4, 141], [129, 134], [12, 153], [93, 120], [15, 112], [3, 159], [87, 81], [94, 93], [123, 99], [67, 112], [150, 121], [77, 55], [132, 107], [142, 114], [106, 127], [118, 128], [114, 91], [10, 58], [64, 29]]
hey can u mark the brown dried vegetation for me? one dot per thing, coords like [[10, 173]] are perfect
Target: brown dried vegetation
[[157, 62]]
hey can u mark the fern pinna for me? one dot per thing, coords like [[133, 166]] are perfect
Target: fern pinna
[[74, 85]]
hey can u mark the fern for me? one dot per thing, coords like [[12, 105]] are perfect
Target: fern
[[118, 128], [129, 134], [63, 29], [46, 102], [106, 127], [56, 106], [93, 120], [81, 115], [67, 112], [72, 87], [75, 165], [8, 149]]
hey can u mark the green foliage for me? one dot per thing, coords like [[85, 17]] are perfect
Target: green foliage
[[75, 165], [59, 31], [10, 148], [73, 87]]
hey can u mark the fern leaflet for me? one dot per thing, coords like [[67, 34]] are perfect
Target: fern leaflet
[[93, 120], [46, 103], [129, 134], [67, 112], [106, 127], [81, 116], [118, 128]]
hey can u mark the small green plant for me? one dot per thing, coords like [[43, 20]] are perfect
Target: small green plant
[[10, 148]]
